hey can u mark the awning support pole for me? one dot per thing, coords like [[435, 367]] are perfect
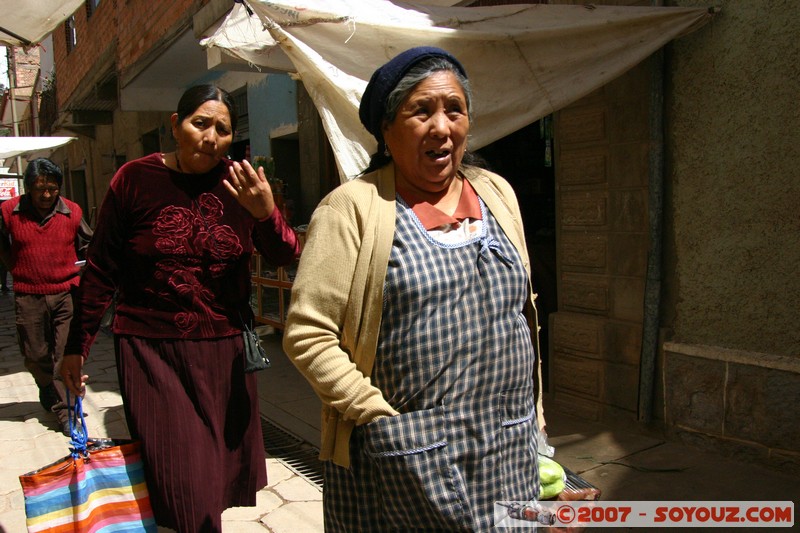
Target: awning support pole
[[11, 56], [652, 291]]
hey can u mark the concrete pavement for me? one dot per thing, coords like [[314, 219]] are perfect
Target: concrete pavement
[[624, 462], [30, 438]]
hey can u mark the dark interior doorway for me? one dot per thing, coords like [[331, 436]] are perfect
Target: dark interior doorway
[[240, 150], [77, 189], [151, 142], [525, 158], [286, 155]]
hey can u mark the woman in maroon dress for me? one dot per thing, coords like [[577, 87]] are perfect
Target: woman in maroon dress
[[173, 241]]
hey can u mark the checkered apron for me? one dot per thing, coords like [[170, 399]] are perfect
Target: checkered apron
[[455, 358]]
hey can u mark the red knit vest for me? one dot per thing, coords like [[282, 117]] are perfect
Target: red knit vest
[[44, 256]]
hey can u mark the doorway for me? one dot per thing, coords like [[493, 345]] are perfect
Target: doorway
[[77, 191], [286, 155], [525, 159]]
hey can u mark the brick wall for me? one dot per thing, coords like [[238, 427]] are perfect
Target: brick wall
[[120, 33], [95, 37], [144, 23], [27, 66]]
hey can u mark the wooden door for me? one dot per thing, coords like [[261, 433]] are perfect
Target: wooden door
[[601, 150]]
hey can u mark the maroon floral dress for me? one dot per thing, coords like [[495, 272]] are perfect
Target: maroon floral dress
[[175, 249]]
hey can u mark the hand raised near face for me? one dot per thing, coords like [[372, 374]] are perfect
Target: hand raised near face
[[251, 189]]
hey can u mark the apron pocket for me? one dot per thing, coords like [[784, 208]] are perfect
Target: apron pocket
[[417, 485], [519, 437]]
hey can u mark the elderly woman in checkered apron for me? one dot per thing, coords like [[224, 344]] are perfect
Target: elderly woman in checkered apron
[[412, 317]]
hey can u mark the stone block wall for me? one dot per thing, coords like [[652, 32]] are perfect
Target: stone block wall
[[741, 404]]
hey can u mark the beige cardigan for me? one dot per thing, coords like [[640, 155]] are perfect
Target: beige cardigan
[[334, 318]]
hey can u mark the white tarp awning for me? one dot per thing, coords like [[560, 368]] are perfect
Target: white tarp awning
[[31, 146], [27, 22], [524, 61]]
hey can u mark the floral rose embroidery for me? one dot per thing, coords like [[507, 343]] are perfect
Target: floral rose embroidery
[[168, 245], [217, 270], [187, 285], [198, 249], [186, 321], [174, 222], [221, 241], [210, 208], [165, 267]]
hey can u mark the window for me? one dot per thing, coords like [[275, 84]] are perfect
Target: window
[[91, 7], [72, 38], [242, 117]]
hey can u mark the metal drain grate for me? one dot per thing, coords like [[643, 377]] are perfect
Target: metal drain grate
[[299, 456]]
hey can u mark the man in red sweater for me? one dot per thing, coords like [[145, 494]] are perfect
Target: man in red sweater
[[41, 235], [3, 273]]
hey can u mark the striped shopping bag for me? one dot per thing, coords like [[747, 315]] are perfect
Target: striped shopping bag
[[100, 486]]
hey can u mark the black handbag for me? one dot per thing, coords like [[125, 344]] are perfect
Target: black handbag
[[255, 358]]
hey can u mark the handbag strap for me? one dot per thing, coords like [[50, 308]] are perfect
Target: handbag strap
[[77, 429]]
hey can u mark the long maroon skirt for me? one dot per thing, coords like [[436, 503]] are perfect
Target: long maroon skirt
[[196, 414]]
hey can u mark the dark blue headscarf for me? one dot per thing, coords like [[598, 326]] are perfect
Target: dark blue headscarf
[[386, 78]]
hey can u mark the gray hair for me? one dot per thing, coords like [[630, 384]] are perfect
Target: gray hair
[[419, 73], [413, 77]]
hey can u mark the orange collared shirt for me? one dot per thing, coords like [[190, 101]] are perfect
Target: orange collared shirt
[[467, 217]]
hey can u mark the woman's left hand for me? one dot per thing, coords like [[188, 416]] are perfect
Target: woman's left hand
[[251, 189]]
